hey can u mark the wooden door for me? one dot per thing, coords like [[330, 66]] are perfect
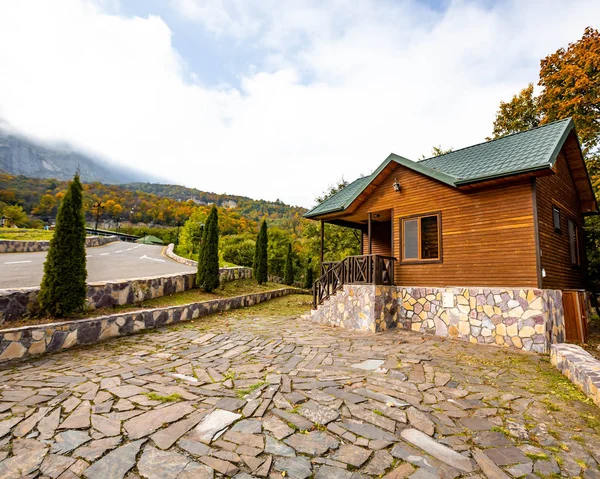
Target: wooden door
[[575, 316]]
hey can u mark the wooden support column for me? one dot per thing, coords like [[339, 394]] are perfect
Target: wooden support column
[[369, 234], [322, 243]]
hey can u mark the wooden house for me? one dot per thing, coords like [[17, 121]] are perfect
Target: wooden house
[[507, 213]]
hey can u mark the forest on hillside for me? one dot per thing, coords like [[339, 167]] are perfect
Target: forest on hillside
[[142, 212]]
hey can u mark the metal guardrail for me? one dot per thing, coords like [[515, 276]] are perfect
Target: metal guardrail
[[121, 236]]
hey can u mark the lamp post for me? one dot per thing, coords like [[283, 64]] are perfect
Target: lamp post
[[97, 207]]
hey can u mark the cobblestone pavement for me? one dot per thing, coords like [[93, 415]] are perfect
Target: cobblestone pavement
[[249, 394]]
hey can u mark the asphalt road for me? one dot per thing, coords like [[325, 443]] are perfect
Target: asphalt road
[[114, 261]]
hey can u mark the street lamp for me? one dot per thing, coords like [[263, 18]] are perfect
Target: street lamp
[[97, 206]]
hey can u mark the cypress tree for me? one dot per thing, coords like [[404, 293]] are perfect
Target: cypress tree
[[201, 263], [308, 276], [260, 266], [288, 276], [63, 289], [208, 260]]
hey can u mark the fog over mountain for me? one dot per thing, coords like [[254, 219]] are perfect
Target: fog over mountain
[[21, 155]]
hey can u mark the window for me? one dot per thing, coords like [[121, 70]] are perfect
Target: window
[[421, 238], [573, 243], [556, 218]]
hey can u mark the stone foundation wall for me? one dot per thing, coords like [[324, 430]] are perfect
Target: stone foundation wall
[[18, 303], [363, 307], [16, 246], [527, 319], [579, 366], [21, 343]]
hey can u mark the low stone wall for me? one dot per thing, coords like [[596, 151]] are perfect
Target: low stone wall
[[171, 254], [527, 319], [16, 246], [18, 303], [21, 343], [579, 366]]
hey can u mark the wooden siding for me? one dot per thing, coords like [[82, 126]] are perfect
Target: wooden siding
[[487, 234], [559, 190], [381, 239]]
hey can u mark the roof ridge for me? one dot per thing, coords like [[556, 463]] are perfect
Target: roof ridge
[[495, 139]]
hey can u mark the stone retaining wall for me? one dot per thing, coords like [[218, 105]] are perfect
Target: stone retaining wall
[[17, 246], [171, 254], [21, 343], [527, 319], [579, 366], [18, 303]]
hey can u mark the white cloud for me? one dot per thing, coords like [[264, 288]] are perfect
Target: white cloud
[[339, 89]]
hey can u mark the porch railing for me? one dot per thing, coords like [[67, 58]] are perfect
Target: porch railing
[[364, 269]]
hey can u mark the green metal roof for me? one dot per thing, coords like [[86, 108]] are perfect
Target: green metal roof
[[522, 152], [517, 153], [342, 199]]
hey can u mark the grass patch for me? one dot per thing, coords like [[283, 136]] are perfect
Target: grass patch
[[537, 456], [24, 234], [378, 412], [234, 288], [503, 430], [241, 393], [159, 397]]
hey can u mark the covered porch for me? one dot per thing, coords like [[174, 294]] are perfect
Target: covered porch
[[375, 264]]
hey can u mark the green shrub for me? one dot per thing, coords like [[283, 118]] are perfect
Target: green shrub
[[240, 253]]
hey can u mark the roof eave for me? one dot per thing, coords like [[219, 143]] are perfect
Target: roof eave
[[311, 215]]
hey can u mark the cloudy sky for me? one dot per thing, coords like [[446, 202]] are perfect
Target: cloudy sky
[[270, 98]]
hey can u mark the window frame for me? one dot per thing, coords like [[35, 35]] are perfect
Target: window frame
[[559, 229], [418, 217], [575, 262]]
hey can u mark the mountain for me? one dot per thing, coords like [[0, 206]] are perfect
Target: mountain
[[20, 155]]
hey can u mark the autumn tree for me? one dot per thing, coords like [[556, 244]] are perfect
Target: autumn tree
[[208, 260], [519, 114], [570, 81], [63, 289]]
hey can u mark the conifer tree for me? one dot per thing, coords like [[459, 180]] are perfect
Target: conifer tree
[[288, 277], [63, 289], [308, 276], [261, 268], [208, 259]]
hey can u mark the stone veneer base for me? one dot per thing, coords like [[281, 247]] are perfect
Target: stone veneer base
[[579, 366], [28, 341], [526, 319], [18, 246]]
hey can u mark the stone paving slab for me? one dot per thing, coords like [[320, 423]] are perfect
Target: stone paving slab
[[259, 397]]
